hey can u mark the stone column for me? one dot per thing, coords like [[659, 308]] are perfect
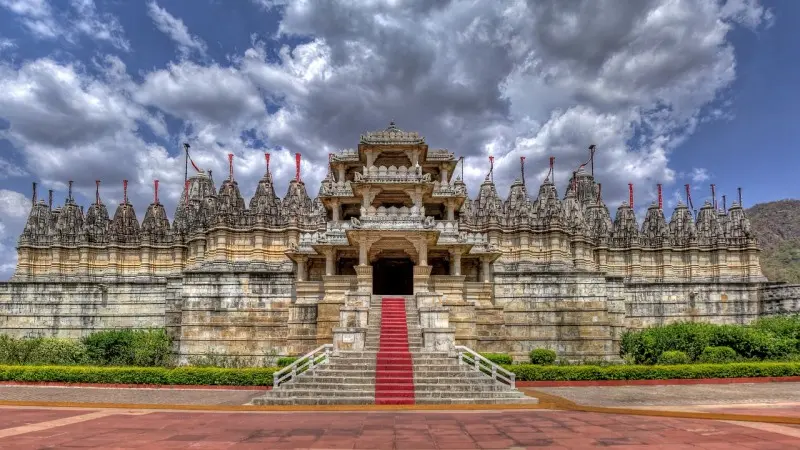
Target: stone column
[[486, 267], [330, 260], [335, 210], [362, 253], [423, 252], [455, 265], [444, 175], [422, 275], [340, 168], [301, 268], [451, 210]]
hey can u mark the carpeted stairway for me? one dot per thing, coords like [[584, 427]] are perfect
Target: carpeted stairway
[[394, 372]]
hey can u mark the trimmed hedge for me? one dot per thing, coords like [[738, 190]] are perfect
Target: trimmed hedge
[[532, 372], [498, 358], [140, 375], [542, 356], [673, 357]]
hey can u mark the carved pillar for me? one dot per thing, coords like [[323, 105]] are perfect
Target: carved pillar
[[301, 268], [422, 275], [451, 210], [444, 175], [330, 262], [362, 252], [486, 270], [336, 211], [340, 178], [455, 265], [423, 252]]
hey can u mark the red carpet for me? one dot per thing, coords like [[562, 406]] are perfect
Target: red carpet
[[394, 373]]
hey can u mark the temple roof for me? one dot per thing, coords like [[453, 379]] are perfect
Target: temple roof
[[392, 135]]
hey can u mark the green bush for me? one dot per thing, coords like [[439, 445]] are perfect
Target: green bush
[[284, 361], [533, 372], [498, 358], [41, 351], [787, 325], [128, 347], [718, 355], [673, 357], [139, 375], [542, 356], [758, 343]]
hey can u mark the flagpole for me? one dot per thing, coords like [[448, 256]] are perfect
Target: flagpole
[[186, 161]]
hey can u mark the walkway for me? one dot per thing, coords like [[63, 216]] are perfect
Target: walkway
[[32, 427]]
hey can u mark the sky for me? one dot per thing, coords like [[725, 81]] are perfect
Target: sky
[[670, 92]]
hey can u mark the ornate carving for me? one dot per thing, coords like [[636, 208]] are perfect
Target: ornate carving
[[265, 206], [682, 232], [738, 229], [392, 135], [37, 228], [69, 225], [626, 230], [655, 232], [230, 204], [709, 231], [155, 226], [95, 227], [518, 208], [547, 211], [487, 208], [124, 227], [574, 219]]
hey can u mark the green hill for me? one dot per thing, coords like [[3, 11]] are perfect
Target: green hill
[[777, 227]]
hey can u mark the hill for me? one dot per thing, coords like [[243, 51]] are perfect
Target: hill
[[777, 227]]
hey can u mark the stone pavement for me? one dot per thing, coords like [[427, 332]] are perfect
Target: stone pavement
[[110, 429], [691, 394], [128, 396]]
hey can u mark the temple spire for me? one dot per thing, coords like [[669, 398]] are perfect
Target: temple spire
[[33, 201]]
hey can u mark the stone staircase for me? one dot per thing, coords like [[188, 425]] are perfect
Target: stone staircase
[[350, 377]]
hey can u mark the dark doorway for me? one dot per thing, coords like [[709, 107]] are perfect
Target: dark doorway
[[393, 276]]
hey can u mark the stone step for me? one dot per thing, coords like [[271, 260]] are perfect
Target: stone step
[[321, 400]]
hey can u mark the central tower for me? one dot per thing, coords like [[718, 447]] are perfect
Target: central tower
[[392, 210]]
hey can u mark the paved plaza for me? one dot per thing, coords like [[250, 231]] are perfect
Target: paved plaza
[[636, 417]]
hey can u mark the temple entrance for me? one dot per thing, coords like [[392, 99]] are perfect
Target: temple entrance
[[393, 276]]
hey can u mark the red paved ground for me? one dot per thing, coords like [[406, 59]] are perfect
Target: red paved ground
[[417, 430]]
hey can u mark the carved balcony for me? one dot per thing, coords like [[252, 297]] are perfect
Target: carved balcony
[[392, 174], [440, 154], [444, 189], [336, 189], [348, 155]]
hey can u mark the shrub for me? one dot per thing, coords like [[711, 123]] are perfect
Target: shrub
[[673, 357], [532, 372], [284, 361], [542, 356], [41, 351], [139, 375], [229, 361], [646, 346], [784, 325], [498, 358], [127, 347], [718, 355]]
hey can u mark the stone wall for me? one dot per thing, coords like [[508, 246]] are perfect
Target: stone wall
[[568, 312], [239, 313], [650, 304], [780, 298], [74, 309]]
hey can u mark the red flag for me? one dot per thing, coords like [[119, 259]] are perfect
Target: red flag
[[195, 166]]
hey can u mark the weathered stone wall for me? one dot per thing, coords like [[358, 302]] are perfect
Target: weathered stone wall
[[568, 312], [239, 313], [74, 309], [780, 298], [650, 304]]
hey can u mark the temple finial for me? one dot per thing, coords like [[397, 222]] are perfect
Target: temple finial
[[34, 193], [97, 192], [155, 191], [125, 191], [297, 166], [230, 166]]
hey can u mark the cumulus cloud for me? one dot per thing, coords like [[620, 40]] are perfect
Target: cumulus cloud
[[176, 30], [14, 209], [81, 19], [507, 79]]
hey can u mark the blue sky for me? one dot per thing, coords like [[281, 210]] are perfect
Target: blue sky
[[672, 92]]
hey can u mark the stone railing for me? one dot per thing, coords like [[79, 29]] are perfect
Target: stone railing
[[469, 357], [349, 155], [392, 218], [306, 363], [440, 154], [447, 227], [444, 189], [392, 174], [336, 189]]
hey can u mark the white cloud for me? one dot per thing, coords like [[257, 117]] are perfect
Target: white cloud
[[503, 78], [14, 209], [176, 30], [82, 18]]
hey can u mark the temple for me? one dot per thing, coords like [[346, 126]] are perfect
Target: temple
[[284, 276]]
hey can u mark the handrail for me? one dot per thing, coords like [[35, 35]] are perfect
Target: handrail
[[472, 358], [309, 361]]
